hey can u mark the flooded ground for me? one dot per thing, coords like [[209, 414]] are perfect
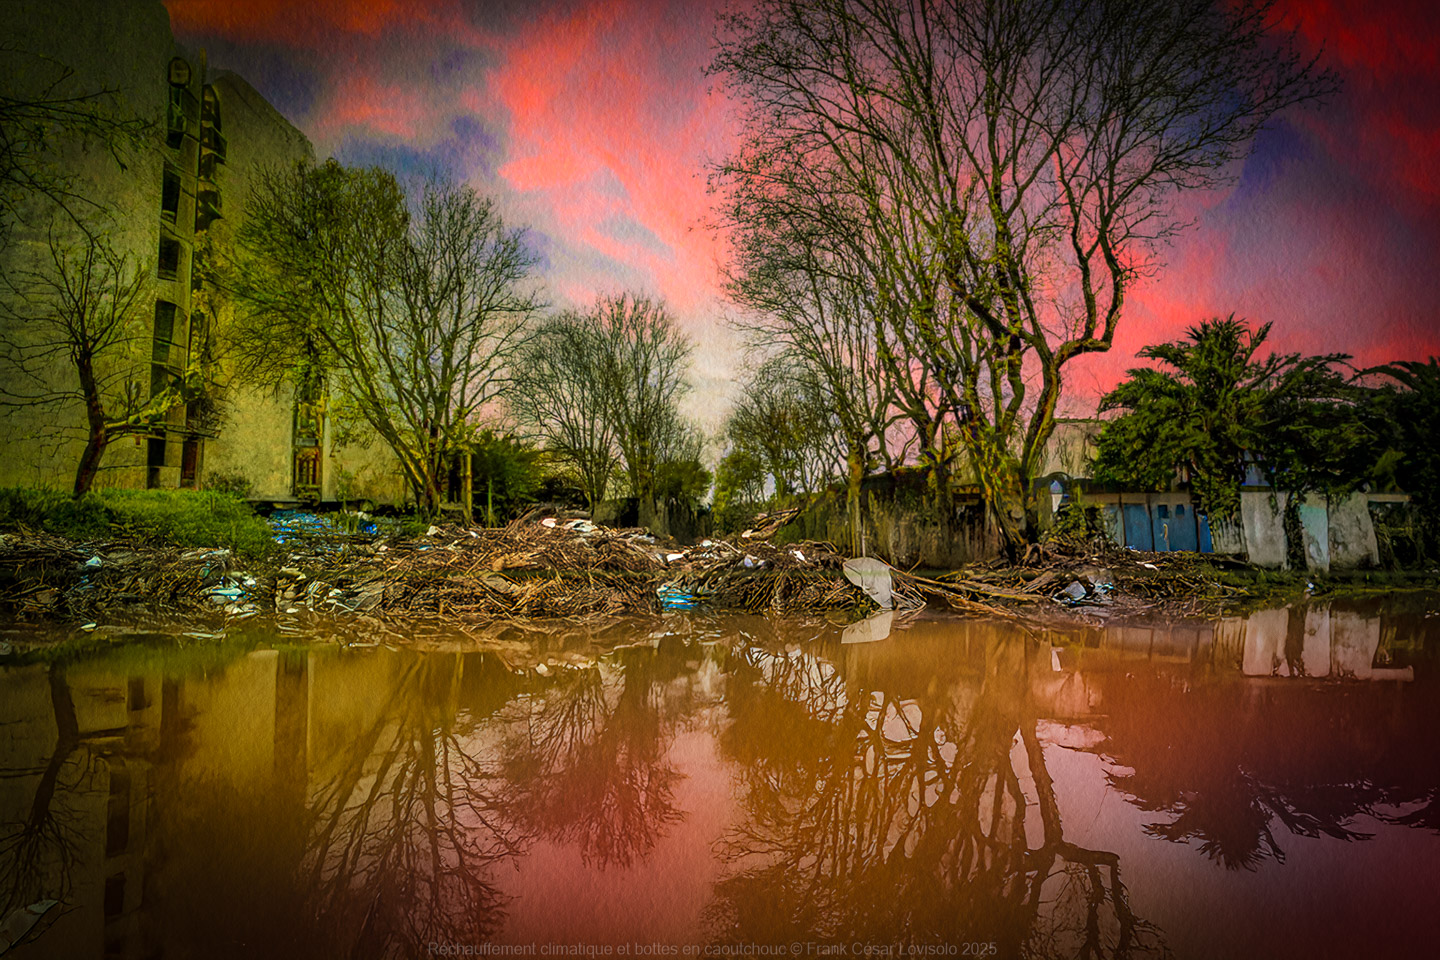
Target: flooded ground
[[727, 787]]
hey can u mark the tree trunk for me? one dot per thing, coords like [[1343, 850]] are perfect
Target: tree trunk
[[90, 460], [99, 437], [467, 474], [855, 475], [1004, 487]]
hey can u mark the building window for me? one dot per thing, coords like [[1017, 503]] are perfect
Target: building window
[[166, 362], [164, 331], [117, 812], [170, 196], [114, 896], [169, 268], [189, 463], [154, 461]]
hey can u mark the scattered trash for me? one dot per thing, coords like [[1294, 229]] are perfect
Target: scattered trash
[[94, 562], [872, 576], [87, 627], [432, 531], [1075, 591], [673, 557], [541, 669], [5, 648], [1148, 566]]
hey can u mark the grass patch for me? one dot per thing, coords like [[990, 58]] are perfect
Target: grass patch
[[186, 518]]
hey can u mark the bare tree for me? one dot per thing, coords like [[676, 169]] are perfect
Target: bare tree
[[41, 108], [559, 395], [73, 336], [784, 418], [644, 364], [414, 316], [988, 180]]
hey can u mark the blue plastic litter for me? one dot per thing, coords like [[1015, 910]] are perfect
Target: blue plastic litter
[[674, 598]]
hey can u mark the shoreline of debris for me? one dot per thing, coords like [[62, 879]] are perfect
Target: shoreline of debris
[[575, 570]]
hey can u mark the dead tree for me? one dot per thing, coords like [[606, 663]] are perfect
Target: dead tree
[[73, 340]]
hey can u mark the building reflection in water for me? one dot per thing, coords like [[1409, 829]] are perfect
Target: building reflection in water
[[323, 801]]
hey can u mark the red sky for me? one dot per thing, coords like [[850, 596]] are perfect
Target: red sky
[[591, 122]]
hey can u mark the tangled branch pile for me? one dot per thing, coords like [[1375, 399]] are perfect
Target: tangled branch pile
[[549, 569]]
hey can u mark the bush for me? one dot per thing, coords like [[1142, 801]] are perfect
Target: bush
[[181, 517], [232, 482]]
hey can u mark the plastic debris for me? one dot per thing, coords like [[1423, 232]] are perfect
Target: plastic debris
[[675, 598], [87, 627], [432, 531], [94, 562], [673, 557], [872, 576]]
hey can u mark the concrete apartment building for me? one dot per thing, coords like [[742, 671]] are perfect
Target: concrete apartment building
[[173, 206]]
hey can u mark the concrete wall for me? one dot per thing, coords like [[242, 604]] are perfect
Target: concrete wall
[[1338, 534], [1314, 513], [1352, 533], [1263, 515], [900, 532], [123, 47]]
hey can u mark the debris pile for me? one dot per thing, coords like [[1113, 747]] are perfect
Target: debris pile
[[553, 568]]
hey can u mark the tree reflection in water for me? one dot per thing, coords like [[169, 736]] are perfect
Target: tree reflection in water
[[876, 817], [403, 836], [1237, 764], [587, 760], [386, 839], [38, 851]]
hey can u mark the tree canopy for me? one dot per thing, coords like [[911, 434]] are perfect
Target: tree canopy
[[411, 306], [1216, 407], [961, 194]]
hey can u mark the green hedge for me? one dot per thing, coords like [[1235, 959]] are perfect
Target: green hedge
[[182, 517]]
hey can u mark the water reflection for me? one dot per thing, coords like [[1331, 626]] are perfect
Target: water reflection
[[928, 788], [586, 761], [912, 812]]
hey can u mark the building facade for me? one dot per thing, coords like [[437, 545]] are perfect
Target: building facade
[[171, 203]]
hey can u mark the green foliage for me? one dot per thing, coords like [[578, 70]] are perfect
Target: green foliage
[[739, 488], [684, 479], [1214, 406], [507, 475], [1081, 524], [181, 517], [1410, 407], [407, 307], [231, 482]]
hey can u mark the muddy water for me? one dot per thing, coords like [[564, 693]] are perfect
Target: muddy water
[[738, 787]]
